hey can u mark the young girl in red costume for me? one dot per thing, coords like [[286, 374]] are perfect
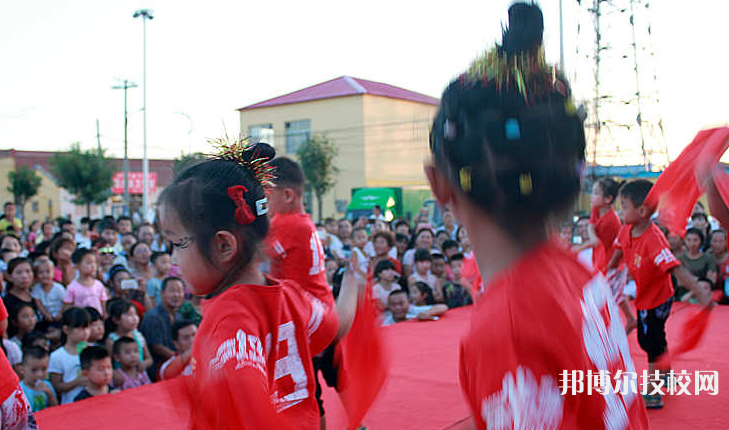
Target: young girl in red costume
[[508, 150], [603, 230], [251, 358]]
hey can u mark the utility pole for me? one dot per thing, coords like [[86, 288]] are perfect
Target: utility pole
[[145, 14], [127, 84], [98, 137]]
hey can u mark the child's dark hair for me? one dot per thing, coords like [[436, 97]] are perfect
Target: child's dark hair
[[156, 255], [90, 354], [94, 315], [199, 194], [610, 188], [288, 174], [74, 317], [79, 254], [135, 246], [57, 244], [115, 270], [166, 281], [437, 256], [636, 191], [115, 308], [422, 255], [426, 291], [107, 224], [179, 325], [517, 150], [382, 266], [99, 243], [698, 215], [35, 352], [121, 342], [30, 339], [448, 244], [456, 257], [13, 312], [2, 238], [385, 235], [717, 231], [402, 222], [356, 229], [697, 232]]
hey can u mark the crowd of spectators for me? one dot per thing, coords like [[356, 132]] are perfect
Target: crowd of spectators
[[92, 308], [417, 271], [99, 307]]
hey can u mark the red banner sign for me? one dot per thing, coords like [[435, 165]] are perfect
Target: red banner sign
[[136, 185]]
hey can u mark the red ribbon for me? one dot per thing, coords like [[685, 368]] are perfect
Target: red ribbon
[[243, 215]]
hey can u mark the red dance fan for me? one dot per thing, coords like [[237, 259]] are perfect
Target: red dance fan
[[363, 364]]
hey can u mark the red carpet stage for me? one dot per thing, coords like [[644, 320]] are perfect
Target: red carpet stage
[[422, 392]]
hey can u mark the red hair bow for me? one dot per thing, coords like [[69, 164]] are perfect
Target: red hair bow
[[243, 214]]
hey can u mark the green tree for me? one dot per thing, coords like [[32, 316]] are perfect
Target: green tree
[[24, 184], [317, 161], [86, 174], [185, 159]]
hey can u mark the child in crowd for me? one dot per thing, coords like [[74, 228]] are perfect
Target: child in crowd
[[331, 267], [127, 241], [107, 256], [38, 390], [450, 248], [386, 275], [423, 261], [360, 261], [123, 321], [508, 155], [718, 250], [423, 239], [96, 327], [19, 282], [421, 294], [400, 309], [15, 411], [457, 291], [96, 370], [700, 264], [383, 248], [48, 293], [122, 285], [65, 368], [139, 262], [108, 232], [183, 336], [438, 269], [440, 238], [215, 247], [11, 242], [61, 251], [162, 263], [86, 290], [22, 321], [645, 250], [129, 373], [401, 244]]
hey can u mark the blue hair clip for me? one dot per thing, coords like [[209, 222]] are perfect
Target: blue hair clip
[[511, 129]]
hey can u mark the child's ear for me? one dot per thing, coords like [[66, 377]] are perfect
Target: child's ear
[[84, 373], [225, 246], [289, 195], [643, 211], [442, 189]]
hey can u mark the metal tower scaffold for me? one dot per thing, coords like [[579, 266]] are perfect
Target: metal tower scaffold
[[615, 77]]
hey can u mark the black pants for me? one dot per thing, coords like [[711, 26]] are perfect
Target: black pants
[[652, 330], [324, 362]]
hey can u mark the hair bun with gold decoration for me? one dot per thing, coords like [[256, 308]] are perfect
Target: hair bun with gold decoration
[[252, 156]]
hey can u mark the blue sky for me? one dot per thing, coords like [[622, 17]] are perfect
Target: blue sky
[[206, 59]]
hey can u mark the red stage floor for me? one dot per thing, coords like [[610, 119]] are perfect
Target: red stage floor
[[422, 392]]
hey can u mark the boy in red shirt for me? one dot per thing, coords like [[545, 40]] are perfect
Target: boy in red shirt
[[650, 262], [294, 246], [297, 254]]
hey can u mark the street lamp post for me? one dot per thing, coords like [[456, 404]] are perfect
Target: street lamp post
[[145, 14], [127, 84]]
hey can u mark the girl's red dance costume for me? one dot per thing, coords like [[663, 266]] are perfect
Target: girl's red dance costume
[[508, 141]]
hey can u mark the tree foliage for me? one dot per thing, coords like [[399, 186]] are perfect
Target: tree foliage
[[317, 161], [24, 184], [186, 159], [85, 174]]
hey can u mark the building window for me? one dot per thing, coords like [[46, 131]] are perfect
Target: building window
[[297, 132], [262, 133]]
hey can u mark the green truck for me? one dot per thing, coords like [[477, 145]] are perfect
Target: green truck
[[395, 202]]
